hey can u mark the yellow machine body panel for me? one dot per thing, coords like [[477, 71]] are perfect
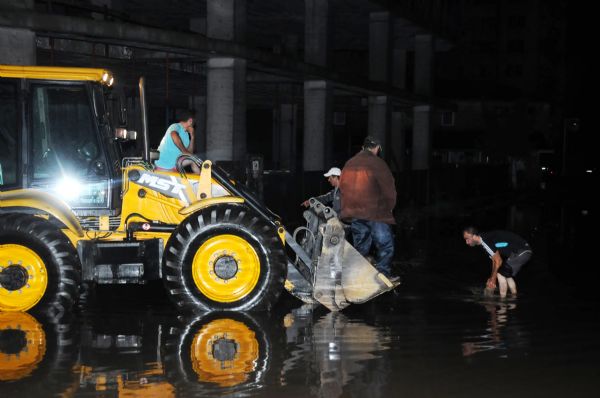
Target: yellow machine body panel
[[167, 197], [47, 203]]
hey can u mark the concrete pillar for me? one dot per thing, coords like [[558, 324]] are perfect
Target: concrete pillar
[[226, 84], [226, 109], [17, 46], [421, 147], [317, 93], [379, 46], [226, 19], [284, 139], [316, 27], [397, 147], [399, 68], [379, 119], [424, 67], [197, 103], [317, 124]]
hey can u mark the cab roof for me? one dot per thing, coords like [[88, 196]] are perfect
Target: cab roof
[[56, 73]]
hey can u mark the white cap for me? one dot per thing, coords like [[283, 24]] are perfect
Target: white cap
[[334, 171]]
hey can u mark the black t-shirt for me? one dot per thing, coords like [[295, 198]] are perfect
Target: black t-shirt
[[505, 242]]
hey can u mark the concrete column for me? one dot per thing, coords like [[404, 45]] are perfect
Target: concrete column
[[399, 68], [197, 103], [316, 27], [421, 147], [397, 147], [379, 46], [226, 84], [379, 119], [17, 46], [424, 59], [284, 139], [317, 124], [226, 109], [226, 19]]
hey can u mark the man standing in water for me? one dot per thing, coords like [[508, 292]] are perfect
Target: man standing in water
[[508, 252]]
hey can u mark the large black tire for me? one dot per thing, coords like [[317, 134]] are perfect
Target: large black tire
[[55, 251], [215, 222]]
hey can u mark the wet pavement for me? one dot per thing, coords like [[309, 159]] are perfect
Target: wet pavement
[[436, 336]]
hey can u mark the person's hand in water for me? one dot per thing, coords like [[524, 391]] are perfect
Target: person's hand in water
[[491, 283]]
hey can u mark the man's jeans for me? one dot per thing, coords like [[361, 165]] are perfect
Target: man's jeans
[[365, 233]]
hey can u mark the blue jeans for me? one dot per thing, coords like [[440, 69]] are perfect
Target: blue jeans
[[365, 233]]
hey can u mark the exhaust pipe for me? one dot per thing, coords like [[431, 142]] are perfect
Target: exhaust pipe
[[146, 154]]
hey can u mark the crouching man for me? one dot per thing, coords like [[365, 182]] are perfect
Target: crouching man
[[508, 252]]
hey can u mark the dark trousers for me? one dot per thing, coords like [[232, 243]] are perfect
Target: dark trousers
[[366, 233]]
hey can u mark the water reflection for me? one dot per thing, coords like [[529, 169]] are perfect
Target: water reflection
[[22, 345], [139, 354], [36, 354], [500, 335], [338, 348], [218, 352]]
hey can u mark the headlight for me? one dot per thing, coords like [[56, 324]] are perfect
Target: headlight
[[69, 188]]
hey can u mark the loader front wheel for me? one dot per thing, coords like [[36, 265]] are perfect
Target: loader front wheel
[[39, 268], [224, 258]]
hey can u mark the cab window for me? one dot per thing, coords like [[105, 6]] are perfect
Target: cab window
[[9, 134], [64, 140]]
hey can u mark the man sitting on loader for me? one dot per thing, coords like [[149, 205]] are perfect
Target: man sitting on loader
[[179, 139]]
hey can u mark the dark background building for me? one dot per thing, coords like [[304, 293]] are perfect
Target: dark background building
[[467, 96]]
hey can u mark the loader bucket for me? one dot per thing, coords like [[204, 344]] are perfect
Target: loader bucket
[[328, 269]]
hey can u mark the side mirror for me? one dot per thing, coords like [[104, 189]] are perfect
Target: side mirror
[[123, 134]]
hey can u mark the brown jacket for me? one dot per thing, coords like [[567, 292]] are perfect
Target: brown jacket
[[368, 189]]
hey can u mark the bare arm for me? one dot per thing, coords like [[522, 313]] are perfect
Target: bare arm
[[496, 263], [192, 139], [179, 144]]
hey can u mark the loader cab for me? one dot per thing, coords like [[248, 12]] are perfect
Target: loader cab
[[56, 135]]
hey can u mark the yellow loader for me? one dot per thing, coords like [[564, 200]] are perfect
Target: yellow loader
[[75, 212]]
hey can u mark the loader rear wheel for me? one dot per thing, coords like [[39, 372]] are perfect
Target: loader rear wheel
[[39, 268], [224, 258]]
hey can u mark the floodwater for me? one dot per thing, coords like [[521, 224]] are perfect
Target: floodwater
[[435, 336]]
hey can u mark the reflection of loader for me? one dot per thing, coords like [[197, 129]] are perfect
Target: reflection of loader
[[73, 210], [36, 355], [134, 355]]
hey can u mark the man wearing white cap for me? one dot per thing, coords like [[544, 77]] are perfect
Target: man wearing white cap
[[333, 197]]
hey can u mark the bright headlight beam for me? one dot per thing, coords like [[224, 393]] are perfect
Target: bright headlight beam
[[69, 188]]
